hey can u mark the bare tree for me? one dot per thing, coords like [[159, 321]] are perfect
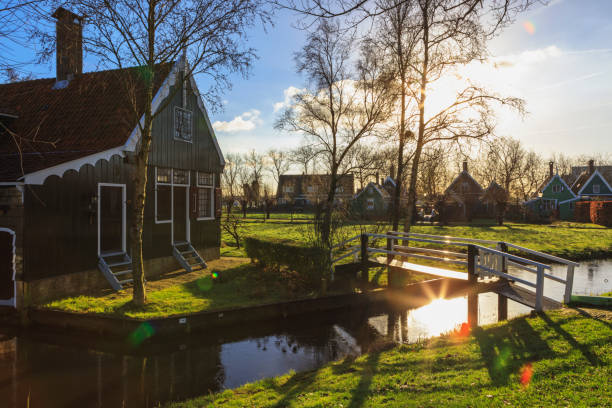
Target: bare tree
[[280, 163], [233, 174], [503, 161], [444, 34], [210, 36], [335, 111], [303, 156], [435, 174]]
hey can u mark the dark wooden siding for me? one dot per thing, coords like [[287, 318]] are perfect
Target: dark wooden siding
[[61, 232]]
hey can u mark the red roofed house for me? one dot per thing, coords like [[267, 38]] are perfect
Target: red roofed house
[[66, 170]]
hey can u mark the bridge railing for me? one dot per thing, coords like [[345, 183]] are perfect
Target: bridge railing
[[481, 259]]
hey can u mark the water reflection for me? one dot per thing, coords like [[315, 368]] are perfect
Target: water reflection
[[43, 370]]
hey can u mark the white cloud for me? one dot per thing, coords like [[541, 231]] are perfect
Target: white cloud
[[247, 121], [528, 57], [289, 94]]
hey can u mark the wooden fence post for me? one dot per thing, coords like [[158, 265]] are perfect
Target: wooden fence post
[[364, 258], [503, 247], [539, 289], [472, 253], [502, 308], [569, 283]]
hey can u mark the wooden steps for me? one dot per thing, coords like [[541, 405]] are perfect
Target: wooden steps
[[114, 266], [187, 256]]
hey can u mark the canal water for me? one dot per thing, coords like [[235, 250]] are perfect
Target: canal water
[[57, 370]]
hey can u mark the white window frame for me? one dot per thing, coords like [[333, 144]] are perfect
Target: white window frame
[[370, 204], [596, 189], [180, 139], [123, 213], [212, 196], [172, 184], [287, 189], [157, 221]]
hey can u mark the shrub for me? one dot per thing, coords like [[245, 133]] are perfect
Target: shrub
[[303, 266], [601, 213], [582, 211]]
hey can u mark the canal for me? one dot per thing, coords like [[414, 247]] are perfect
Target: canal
[[43, 369]]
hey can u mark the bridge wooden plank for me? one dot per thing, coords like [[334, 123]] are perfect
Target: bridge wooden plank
[[429, 270], [525, 296]]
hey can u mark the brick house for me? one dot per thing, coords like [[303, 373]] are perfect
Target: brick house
[[311, 189]]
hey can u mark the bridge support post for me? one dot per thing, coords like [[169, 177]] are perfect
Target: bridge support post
[[472, 303], [472, 253], [539, 289], [569, 283], [502, 246], [364, 258], [502, 308]]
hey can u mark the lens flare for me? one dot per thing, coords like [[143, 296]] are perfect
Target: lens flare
[[215, 275], [526, 373], [142, 332], [529, 27], [205, 284]]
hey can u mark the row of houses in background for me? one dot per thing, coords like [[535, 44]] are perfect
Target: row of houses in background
[[559, 194], [464, 199]]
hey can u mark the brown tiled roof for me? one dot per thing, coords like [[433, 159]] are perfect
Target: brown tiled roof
[[93, 113]]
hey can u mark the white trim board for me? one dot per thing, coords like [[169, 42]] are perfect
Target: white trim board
[[562, 181], [39, 177], [365, 188], [11, 302], [586, 183], [123, 213]]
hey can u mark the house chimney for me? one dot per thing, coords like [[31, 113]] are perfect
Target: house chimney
[[591, 166], [465, 168], [377, 178], [551, 170], [69, 44]]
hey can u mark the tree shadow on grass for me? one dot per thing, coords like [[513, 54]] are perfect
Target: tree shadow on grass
[[368, 370], [583, 348], [591, 316], [507, 348]]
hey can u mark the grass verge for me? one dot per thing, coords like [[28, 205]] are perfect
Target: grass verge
[[567, 240], [561, 358], [238, 283]]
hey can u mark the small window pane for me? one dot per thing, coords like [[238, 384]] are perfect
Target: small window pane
[[163, 203], [182, 124], [205, 179], [163, 175], [180, 176], [204, 202]]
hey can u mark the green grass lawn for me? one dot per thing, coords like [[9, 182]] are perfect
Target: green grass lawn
[[237, 284], [568, 240], [558, 359]]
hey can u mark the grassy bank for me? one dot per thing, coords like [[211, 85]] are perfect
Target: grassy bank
[[567, 240], [561, 358], [228, 283]]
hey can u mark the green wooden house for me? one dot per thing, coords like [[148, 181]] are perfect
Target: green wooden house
[[374, 200], [554, 195]]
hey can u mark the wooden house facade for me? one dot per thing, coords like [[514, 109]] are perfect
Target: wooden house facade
[[463, 196], [65, 195]]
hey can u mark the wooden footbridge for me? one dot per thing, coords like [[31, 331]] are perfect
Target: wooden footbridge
[[458, 258]]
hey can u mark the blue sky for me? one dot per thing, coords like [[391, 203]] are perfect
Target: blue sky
[[563, 70], [557, 57]]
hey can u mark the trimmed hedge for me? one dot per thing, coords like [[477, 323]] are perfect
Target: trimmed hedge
[[311, 264], [601, 213], [582, 211]]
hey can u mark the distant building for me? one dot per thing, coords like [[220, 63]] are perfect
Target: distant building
[[311, 189], [376, 199], [463, 196], [589, 183]]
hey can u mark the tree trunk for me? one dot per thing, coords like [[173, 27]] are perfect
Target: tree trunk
[[327, 211], [421, 137], [139, 296]]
